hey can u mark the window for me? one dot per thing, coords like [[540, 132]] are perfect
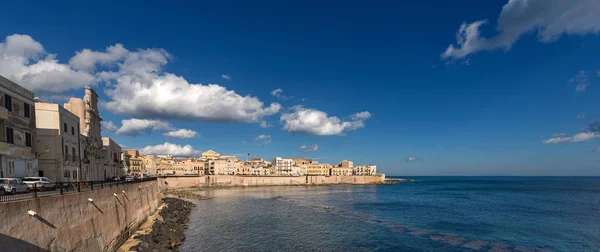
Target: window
[[10, 135], [72, 130], [66, 174], [8, 102], [65, 127], [73, 149], [27, 110], [66, 153], [30, 169], [28, 141], [11, 168], [74, 174]]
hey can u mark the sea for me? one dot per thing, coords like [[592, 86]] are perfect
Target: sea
[[429, 214]]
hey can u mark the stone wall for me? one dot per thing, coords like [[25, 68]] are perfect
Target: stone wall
[[172, 182], [71, 222]]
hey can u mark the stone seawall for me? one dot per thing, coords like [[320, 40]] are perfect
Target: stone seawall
[[173, 182], [71, 222]]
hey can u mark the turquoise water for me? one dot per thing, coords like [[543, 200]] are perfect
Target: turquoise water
[[433, 214]]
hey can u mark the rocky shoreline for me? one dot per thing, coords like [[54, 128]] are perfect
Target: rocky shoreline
[[167, 234]]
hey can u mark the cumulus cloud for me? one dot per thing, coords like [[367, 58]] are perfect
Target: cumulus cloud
[[265, 124], [181, 134], [309, 148], [24, 61], [411, 159], [580, 116], [108, 126], [225, 76], [262, 139], [590, 132], [315, 122], [134, 127], [361, 115], [581, 81], [170, 149], [550, 19], [139, 87], [87, 59]]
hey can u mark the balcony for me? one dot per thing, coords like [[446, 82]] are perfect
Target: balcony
[[3, 114], [71, 159]]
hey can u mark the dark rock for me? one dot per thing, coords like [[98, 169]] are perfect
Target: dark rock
[[167, 235]]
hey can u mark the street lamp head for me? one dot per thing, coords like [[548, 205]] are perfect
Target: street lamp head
[[46, 150]]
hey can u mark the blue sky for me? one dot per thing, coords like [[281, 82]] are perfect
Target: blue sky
[[492, 104]]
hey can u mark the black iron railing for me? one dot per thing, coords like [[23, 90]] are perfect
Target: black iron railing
[[50, 189]]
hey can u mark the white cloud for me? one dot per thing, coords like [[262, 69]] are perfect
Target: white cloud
[[87, 59], [550, 19], [361, 115], [225, 76], [580, 116], [108, 126], [24, 61], [315, 122], [580, 137], [279, 94], [411, 159], [181, 134], [309, 148], [581, 80], [262, 139], [140, 88], [134, 127], [265, 124], [170, 149]]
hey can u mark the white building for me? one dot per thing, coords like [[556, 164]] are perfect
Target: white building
[[282, 166], [17, 134]]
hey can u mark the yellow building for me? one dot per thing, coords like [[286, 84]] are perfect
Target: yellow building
[[316, 169]]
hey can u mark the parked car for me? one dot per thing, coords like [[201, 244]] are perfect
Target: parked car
[[129, 178], [12, 185], [40, 183]]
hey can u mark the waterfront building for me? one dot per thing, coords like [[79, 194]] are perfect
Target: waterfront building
[[136, 163], [282, 166], [125, 160], [364, 170], [210, 154], [256, 166], [17, 136], [316, 169], [93, 165], [112, 159], [58, 132], [346, 164], [341, 171], [225, 165]]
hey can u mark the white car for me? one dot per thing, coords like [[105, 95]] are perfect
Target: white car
[[12, 185], [40, 183]]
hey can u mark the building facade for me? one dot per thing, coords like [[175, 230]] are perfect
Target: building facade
[[58, 131], [346, 164], [113, 162], [94, 162], [18, 157], [282, 166], [316, 169], [365, 170]]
